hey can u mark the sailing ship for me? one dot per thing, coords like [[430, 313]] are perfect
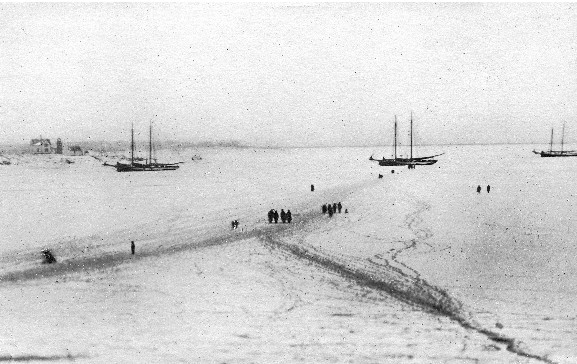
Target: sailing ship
[[411, 161], [557, 153], [149, 165]]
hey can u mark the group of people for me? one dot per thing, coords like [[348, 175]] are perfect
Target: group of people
[[285, 217], [234, 224], [333, 208], [479, 189]]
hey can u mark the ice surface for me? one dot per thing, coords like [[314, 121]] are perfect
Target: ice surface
[[419, 254]]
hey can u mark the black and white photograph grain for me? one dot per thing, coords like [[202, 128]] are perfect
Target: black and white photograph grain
[[297, 182]]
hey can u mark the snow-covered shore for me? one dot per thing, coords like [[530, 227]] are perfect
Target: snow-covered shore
[[422, 268]]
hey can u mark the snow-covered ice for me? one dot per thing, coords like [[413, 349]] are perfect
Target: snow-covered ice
[[422, 269]]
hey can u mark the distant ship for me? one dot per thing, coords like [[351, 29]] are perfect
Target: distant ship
[[412, 161], [557, 153], [148, 165]]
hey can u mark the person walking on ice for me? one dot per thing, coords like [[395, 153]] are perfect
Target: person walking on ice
[[488, 188], [132, 247], [270, 216], [479, 189]]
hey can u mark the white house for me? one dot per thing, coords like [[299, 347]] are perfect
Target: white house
[[40, 146]]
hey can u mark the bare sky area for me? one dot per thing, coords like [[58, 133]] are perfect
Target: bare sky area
[[304, 75]]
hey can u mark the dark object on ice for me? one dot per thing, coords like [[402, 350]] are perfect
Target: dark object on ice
[[234, 224], [478, 189], [334, 208], [411, 166], [392, 171], [346, 211], [270, 216], [132, 247], [312, 188], [282, 216], [48, 257], [330, 209], [324, 208], [339, 207], [499, 325], [289, 216], [275, 216], [380, 176], [488, 189]]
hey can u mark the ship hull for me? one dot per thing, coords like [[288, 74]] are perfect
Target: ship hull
[[406, 162], [145, 167], [552, 154]]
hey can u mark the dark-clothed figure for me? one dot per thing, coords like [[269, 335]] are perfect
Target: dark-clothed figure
[[289, 216], [275, 216], [478, 189], [330, 209], [334, 208], [282, 216], [324, 208], [346, 211], [270, 216], [132, 247], [48, 257], [339, 207], [488, 188], [312, 188], [232, 224]]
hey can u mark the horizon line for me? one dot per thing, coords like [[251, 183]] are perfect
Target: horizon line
[[241, 144]]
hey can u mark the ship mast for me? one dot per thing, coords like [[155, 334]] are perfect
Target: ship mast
[[150, 144], [551, 143], [562, 137], [395, 137], [132, 145], [411, 135]]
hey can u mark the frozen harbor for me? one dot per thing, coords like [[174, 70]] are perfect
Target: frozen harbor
[[422, 269]]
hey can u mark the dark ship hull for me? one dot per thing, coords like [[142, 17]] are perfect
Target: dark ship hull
[[557, 153], [141, 167]]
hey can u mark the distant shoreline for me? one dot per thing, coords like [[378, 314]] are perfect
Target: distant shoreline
[[117, 146]]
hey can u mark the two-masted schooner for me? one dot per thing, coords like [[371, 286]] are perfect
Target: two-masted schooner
[[149, 165], [557, 153], [411, 161]]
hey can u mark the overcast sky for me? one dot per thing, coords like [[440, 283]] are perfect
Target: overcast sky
[[324, 74]]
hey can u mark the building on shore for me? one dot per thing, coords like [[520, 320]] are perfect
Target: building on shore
[[58, 146], [40, 146]]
